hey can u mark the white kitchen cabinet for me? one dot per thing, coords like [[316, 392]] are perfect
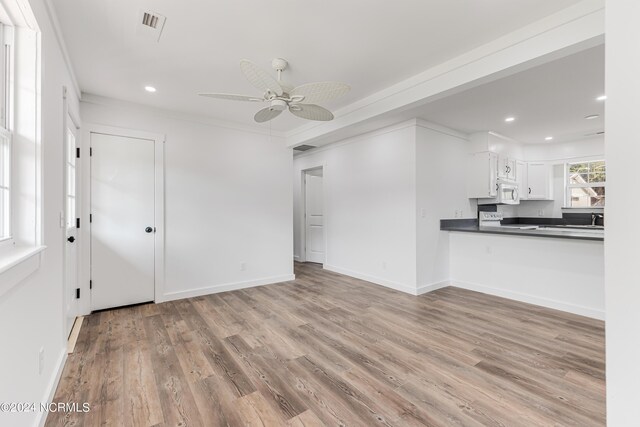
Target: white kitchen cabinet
[[506, 168], [521, 179], [539, 181], [482, 175]]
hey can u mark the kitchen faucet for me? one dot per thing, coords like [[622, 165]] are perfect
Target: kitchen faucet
[[594, 218]]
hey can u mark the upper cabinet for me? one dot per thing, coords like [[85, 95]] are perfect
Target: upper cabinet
[[506, 168], [482, 175], [539, 181], [497, 158]]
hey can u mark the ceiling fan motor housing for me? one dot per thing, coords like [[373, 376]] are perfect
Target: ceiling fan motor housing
[[278, 104]]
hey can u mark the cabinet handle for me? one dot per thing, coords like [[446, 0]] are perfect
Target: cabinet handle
[[497, 187], [529, 190]]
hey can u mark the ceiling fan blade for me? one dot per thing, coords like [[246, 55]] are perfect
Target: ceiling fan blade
[[260, 78], [232, 97], [311, 112], [321, 91], [266, 114]]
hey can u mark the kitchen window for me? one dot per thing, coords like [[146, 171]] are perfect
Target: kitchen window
[[586, 183]]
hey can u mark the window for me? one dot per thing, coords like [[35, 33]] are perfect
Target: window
[[586, 184], [5, 132]]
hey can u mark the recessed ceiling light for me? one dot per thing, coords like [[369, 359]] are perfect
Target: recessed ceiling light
[[509, 119], [549, 138], [150, 89], [592, 116], [601, 98]]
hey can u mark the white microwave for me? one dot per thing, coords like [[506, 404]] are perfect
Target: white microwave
[[506, 194]]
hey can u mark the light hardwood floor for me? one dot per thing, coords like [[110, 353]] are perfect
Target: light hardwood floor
[[327, 349]]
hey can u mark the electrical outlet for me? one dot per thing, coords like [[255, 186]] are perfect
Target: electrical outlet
[[489, 250], [540, 212], [423, 213], [243, 266], [41, 360]]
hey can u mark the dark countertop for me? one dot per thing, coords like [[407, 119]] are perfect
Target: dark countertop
[[471, 226]]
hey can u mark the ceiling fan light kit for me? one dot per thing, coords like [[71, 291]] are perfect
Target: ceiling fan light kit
[[281, 95]]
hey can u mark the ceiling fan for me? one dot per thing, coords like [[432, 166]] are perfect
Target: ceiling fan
[[301, 101]]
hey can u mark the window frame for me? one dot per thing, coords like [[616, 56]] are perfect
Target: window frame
[[569, 186], [6, 134]]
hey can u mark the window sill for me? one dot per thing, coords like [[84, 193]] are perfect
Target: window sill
[[16, 264]]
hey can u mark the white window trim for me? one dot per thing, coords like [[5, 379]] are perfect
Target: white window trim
[[20, 255]]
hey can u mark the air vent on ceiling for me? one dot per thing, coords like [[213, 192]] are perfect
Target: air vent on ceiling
[[303, 147], [150, 24], [150, 20]]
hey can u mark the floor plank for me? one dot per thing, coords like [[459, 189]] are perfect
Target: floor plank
[[328, 349]]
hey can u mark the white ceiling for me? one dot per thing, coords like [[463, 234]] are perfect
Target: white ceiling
[[369, 44], [547, 100]]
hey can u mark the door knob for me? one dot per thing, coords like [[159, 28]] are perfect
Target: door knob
[[148, 229], [71, 239]]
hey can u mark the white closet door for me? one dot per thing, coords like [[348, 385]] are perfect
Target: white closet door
[[123, 223]]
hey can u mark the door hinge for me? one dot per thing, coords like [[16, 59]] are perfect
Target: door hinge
[[77, 293], [90, 284], [77, 152], [77, 222], [90, 151], [90, 217]]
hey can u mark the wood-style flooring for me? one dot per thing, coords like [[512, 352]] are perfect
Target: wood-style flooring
[[327, 349]]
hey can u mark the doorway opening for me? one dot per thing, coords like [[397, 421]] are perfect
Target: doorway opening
[[314, 218]]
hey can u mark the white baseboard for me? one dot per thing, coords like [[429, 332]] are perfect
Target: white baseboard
[[170, 296], [377, 280], [41, 418], [432, 287], [532, 299], [296, 257]]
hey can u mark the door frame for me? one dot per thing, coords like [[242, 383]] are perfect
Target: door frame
[[159, 205], [70, 118], [303, 211]]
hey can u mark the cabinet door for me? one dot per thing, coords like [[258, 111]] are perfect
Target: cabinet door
[[511, 169], [503, 167], [521, 179], [538, 181]]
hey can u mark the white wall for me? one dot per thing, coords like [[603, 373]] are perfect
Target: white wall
[[369, 207], [441, 193], [31, 313], [557, 273], [621, 245], [227, 200]]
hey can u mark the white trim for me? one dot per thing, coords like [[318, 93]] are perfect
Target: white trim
[[373, 279], [531, 299], [432, 287], [176, 115], [50, 392], [53, 18], [296, 258], [159, 142], [207, 290]]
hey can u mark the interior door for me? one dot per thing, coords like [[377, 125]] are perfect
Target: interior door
[[71, 301], [123, 220], [314, 219]]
